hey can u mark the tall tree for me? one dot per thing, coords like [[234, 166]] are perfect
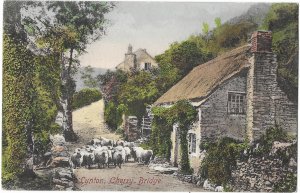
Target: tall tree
[[65, 28], [205, 30], [138, 92], [87, 76], [110, 84], [218, 22]]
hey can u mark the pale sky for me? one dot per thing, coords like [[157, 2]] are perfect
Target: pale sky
[[154, 26]]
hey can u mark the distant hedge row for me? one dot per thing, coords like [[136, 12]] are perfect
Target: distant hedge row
[[85, 97]]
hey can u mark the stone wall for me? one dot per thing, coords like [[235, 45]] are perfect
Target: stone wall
[[59, 160], [286, 112], [215, 121], [260, 174], [267, 105], [130, 61]]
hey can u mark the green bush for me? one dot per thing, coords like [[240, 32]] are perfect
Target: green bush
[[120, 131], [222, 155], [113, 115], [220, 160], [266, 141], [85, 97]]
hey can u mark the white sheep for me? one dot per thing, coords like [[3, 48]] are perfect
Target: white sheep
[[101, 157], [219, 189], [207, 185], [127, 153]]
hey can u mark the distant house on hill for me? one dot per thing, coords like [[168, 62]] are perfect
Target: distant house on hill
[[236, 95], [137, 61]]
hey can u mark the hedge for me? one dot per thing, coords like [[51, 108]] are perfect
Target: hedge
[[85, 97]]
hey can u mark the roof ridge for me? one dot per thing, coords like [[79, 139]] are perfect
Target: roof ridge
[[204, 78]]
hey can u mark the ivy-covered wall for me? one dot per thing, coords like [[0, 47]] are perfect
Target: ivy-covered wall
[[30, 95], [18, 92], [181, 113]]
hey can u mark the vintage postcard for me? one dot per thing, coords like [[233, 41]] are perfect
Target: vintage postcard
[[150, 96]]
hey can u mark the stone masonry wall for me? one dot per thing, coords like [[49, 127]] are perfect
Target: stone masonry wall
[[286, 113], [261, 174], [215, 120], [130, 61], [264, 84], [267, 104]]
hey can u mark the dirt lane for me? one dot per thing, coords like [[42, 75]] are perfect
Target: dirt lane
[[88, 122], [131, 177]]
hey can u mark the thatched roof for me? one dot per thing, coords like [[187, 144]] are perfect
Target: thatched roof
[[205, 78]]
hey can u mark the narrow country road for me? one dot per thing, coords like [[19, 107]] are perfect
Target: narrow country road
[[88, 122]]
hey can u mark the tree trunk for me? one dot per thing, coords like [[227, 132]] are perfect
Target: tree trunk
[[67, 91]]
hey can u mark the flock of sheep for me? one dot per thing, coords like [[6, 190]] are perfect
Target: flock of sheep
[[106, 152]]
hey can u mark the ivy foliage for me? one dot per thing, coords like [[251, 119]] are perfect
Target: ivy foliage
[[85, 97], [18, 89], [161, 127], [182, 113], [29, 106]]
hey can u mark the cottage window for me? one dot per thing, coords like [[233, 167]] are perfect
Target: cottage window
[[236, 103], [192, 143], [147, 66]]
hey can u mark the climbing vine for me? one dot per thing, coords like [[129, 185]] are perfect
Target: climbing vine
[[30, 94], [182, 113], [17, 99], [160, 139]]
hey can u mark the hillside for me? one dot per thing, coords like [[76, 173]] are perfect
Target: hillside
[[255, 14], [79, 81]]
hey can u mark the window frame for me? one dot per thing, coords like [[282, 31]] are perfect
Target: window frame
[[236, 103], [192, 143], [147, 66]]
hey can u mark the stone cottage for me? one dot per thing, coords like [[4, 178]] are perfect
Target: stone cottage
[[236, 95], [138, 60]]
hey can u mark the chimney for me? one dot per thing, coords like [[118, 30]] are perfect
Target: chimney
[[261, 41], [129, 51]]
